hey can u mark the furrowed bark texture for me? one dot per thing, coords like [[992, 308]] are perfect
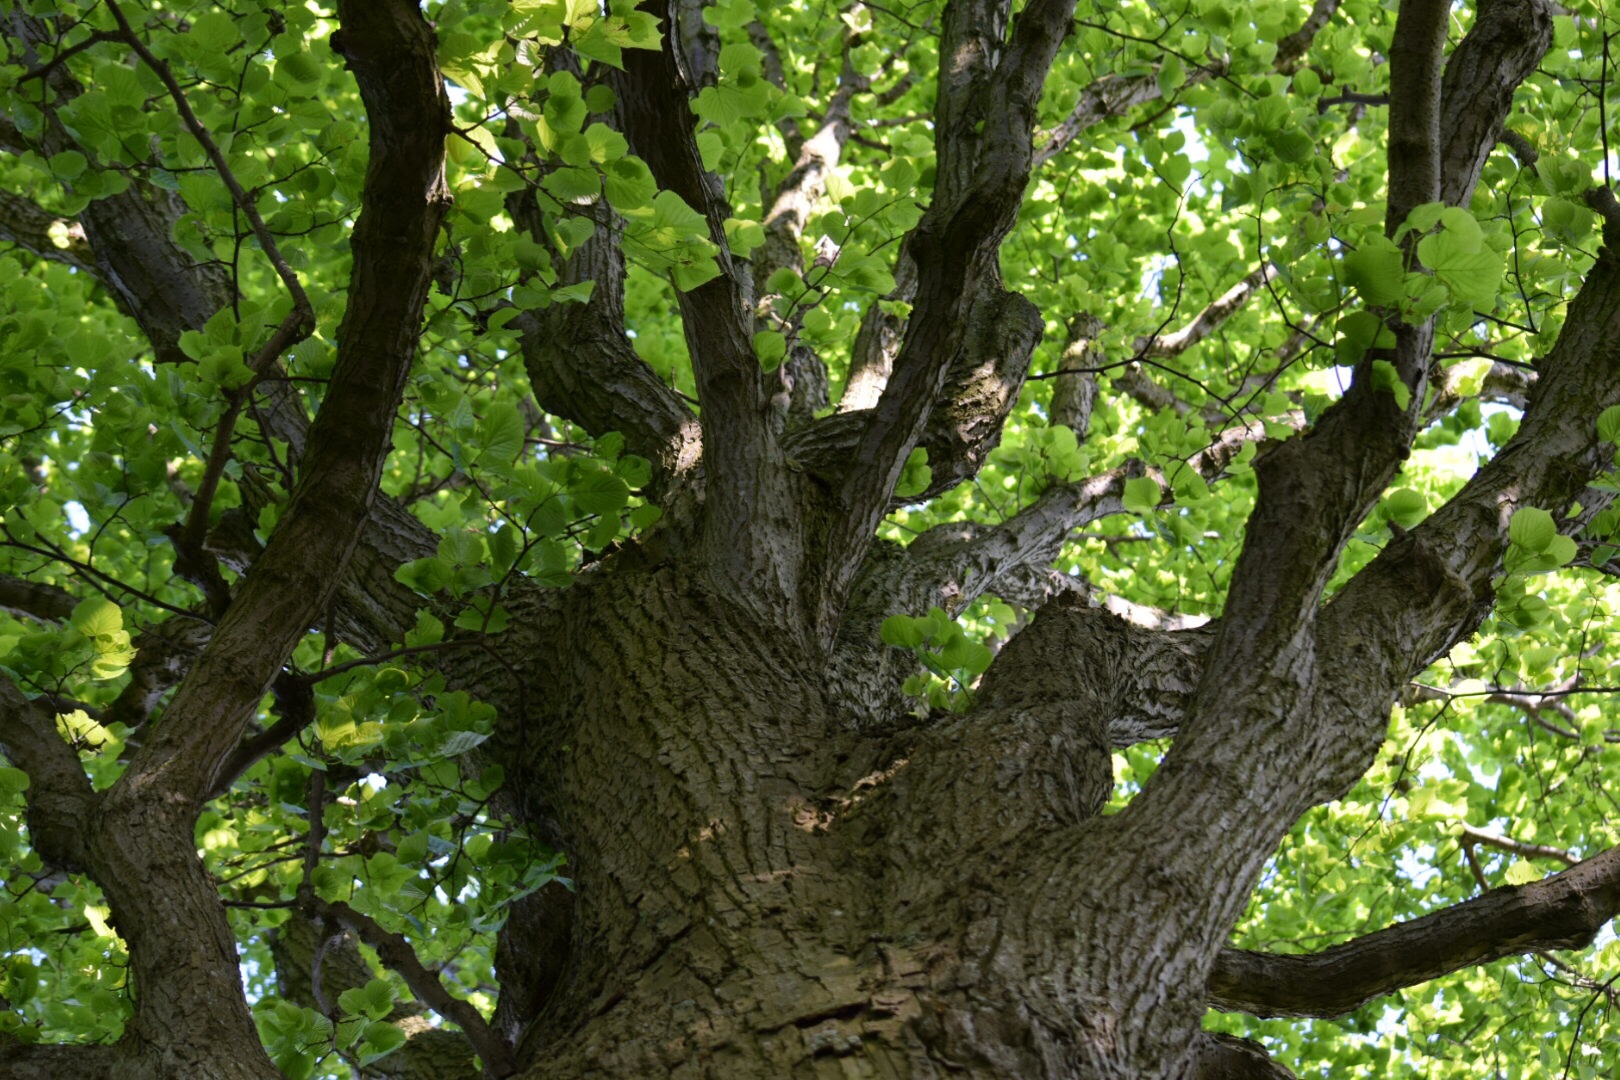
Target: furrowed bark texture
[[779, 871]]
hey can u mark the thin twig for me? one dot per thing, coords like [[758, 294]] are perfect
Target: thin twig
[[396, 952], [298, 324]]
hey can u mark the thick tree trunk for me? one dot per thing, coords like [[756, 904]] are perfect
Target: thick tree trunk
[[754, 894]]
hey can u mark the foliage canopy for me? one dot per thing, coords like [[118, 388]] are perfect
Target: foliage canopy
[[1214, 221]]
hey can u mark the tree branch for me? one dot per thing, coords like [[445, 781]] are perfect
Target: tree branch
[[1431, 587], [301, 950], [287, 588], [1278, 685], [303, 314], [1207, 321], [1415, 59], [1564, 911], [47, 235], [1472, 836], [42, 1061], [1506, 42], [1292, 49], [1074, 387], [1114, 95], [396, 953], [581, 364], [60, 799], [130, 234], [745, 478], [1155, 673], [35, 599], [987, 98], [795, 198], [1225, 1057]]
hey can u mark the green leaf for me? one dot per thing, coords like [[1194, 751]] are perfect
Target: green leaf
[[12, 782], [1608, 424], [380, 1040], [967, 655], [689, 274], [1385, 377], [1405, 507], [483, 616], [97, 617], [500, 433], [1376, 270], [374, 1000], [69, 164], [223, 366], [1532, 528], [1473, 273], [1522, 872], [1421, 219], [903, 631], [298, 73], [785, 281], [629, 184], [1358, 332], [600, 492], [605, 144], [1462, 227], [915, 476], [1142, 495], [1172, 73], [573, 185], [742, 91], [770, 347]]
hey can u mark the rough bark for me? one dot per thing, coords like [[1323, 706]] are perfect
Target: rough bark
[[136, 838], [778, 871]]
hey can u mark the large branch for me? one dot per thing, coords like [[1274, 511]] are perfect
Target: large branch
[[581, 363], [790, 209], [1564, 911], [59, 797], [34, 598], [289, 585], [1414, 110], [1431, 587], [963, 560], [1226, 1057], [47, 235], [1054, 661], [46, 1061], [1287, 709], [1059, 696], [964, 425], [745, 478], [1316, 489], [1506, 42], [965, 422], [139, 842], [988, 92]]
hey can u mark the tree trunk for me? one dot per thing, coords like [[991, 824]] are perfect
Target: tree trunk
[[752, 897]]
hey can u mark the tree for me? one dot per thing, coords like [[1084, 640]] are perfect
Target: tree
[[730, 540]]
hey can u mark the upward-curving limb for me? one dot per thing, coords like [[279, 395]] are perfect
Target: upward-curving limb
[[138, 844]]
